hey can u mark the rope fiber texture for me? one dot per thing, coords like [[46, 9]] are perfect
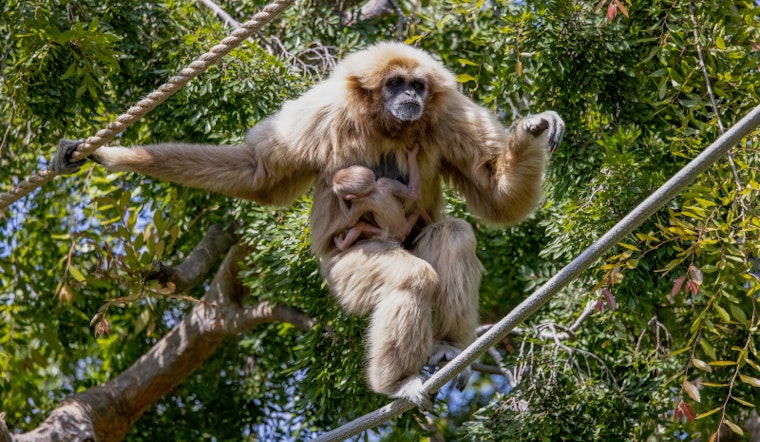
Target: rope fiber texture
[[153, 100], [530, 305]]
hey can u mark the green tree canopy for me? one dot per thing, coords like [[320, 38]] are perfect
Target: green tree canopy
[[107, 277]]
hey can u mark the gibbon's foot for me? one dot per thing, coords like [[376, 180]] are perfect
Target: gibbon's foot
[[61, 162], [411, 390], [549, 120], [446, 353]]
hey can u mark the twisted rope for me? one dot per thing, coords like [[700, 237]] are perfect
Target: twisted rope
[[152, 101]]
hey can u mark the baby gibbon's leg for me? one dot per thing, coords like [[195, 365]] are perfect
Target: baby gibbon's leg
[[342, 242], [396, 287], [449, 246]]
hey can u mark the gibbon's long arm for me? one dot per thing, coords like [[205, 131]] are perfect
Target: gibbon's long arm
[[503, 181], [266, 170]]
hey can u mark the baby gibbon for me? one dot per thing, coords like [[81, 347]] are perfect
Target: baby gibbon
[[362, 194]]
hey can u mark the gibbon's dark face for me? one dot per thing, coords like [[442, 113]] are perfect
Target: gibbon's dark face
[[404, 98]]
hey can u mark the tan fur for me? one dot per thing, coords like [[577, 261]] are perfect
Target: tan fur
[[340, 122]]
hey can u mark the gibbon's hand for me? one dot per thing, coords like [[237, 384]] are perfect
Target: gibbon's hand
[[61, 162], [545, 121]]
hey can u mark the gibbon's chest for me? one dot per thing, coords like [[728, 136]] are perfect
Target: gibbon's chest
[[390, 160]]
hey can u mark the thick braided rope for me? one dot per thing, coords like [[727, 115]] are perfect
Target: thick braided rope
[[152, 101]]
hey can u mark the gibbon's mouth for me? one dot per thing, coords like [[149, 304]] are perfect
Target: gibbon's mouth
[[408, 111]]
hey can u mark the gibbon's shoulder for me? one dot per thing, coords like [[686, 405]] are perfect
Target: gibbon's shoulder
[[372, 66]]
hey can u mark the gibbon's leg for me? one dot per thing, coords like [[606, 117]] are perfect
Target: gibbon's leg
[[397, 287], [449, 246]]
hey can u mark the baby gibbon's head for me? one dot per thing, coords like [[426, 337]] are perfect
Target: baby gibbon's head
[[354, 182]]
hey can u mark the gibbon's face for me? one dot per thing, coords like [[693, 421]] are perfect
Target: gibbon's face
[[404, 98]]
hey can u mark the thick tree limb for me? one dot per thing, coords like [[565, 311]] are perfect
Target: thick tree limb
[[371, 10], [107, 412], [198, 263]]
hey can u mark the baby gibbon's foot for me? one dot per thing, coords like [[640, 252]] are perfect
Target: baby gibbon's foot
[[546, 121], [61, 162], [446, 353], [411, 390]]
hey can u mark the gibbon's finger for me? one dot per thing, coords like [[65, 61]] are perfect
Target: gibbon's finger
[[556, 131], [536, 124], [61, 162]]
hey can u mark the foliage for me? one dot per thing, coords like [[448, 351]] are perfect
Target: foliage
[[670, 350]]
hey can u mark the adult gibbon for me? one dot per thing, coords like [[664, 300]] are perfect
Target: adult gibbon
[[376, 103], [363, 194]]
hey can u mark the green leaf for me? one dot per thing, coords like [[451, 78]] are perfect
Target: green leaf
[[464, 78], [707, 413], [755, 382], [77, 274], [720, 43]]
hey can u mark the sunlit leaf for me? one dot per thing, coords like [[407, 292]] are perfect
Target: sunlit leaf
[[702, 365], [691, 390], [707, 413], [743, 402], [735, 428], [464, 78], [722, 363], [755, 382], [77, 274]]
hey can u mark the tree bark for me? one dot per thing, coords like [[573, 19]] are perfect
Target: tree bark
[[107, 412]]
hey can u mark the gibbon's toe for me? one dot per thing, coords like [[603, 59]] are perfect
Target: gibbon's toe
[[556, 129], [446, 353]]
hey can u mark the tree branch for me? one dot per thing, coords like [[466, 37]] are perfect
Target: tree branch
[[198, 263], [107, 412], [5, 435], [221, 13], [371, 10]]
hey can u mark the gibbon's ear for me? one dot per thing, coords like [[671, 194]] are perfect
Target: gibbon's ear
[[355, 85]]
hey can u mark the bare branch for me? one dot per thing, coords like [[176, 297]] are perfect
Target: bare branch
[[198, 263], [5, 435], [221, 13], [371, 10], [245, 319]]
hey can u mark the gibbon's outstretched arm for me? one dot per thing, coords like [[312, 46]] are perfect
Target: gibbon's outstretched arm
[[503, 184], [263, 171]]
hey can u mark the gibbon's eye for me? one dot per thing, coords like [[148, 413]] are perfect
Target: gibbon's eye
[[394, 82], [417, 85]]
